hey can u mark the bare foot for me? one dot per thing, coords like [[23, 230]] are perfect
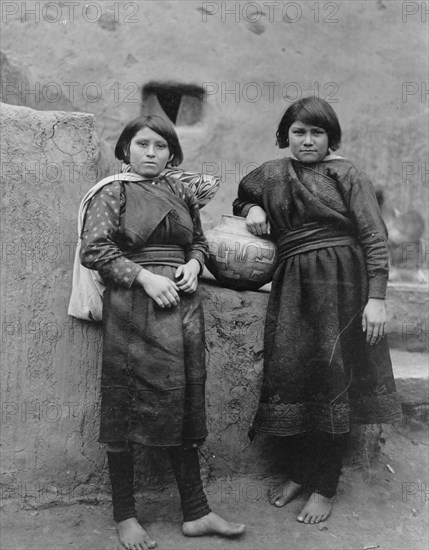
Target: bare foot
[[132, 535], [282, 494], [317, 509], [212, 524]]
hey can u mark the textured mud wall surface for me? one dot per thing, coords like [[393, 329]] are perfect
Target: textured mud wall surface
[[50, 374], [234, 347], [51, 363], [408, 317], [368, 58]]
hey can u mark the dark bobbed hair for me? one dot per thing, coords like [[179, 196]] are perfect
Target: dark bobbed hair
[[314, 112], [156, 124]]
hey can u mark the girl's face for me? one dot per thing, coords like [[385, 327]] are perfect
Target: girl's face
[[309, 144], [149, 153]]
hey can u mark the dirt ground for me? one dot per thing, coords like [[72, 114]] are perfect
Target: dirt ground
[[381, 507]]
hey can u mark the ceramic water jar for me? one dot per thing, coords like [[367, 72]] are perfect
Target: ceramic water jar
[[238, 259]]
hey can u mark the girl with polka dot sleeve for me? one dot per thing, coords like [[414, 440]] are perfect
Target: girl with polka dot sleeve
[[101, 237], [145, 238]]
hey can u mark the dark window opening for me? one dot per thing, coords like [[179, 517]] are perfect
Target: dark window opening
[[182, 104]]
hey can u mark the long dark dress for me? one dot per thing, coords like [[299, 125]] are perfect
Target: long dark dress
[[319, 373], [153, 367]]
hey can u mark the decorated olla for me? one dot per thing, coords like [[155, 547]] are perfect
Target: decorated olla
[[237, 258]]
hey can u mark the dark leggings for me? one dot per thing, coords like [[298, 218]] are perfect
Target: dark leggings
[[315, 460], [186, 469]]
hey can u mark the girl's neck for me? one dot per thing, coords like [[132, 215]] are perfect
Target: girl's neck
[[329, 156]]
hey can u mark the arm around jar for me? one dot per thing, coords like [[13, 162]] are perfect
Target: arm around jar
[[257, 221]]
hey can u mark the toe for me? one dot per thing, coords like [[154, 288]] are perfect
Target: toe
[[240, 529], [280, 502], [274, 495], [303, 518], [236, 529]]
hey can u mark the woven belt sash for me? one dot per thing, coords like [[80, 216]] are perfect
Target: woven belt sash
[[169, 254], [307, 238]]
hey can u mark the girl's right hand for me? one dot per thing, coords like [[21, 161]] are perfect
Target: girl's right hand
[[257, 222], [161, 289]]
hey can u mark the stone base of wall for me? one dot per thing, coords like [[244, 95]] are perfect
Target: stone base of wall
[[408, 316]]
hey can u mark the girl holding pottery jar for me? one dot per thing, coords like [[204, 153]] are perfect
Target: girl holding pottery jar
[[144, 237], [326, 360]]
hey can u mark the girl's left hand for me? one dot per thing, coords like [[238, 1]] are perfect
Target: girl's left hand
[[374, 320], [186, 277]]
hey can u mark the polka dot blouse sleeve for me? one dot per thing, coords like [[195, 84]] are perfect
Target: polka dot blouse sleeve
[[101, 237], [198, 250]]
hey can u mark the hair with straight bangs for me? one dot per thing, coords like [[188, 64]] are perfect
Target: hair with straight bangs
[[157, 125], [313, 112]]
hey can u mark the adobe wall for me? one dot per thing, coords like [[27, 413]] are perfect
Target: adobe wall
[[369, 58], [51, 363]]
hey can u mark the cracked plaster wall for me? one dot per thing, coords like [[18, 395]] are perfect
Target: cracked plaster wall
[[357, 54], [49, 159], [51, 362]]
